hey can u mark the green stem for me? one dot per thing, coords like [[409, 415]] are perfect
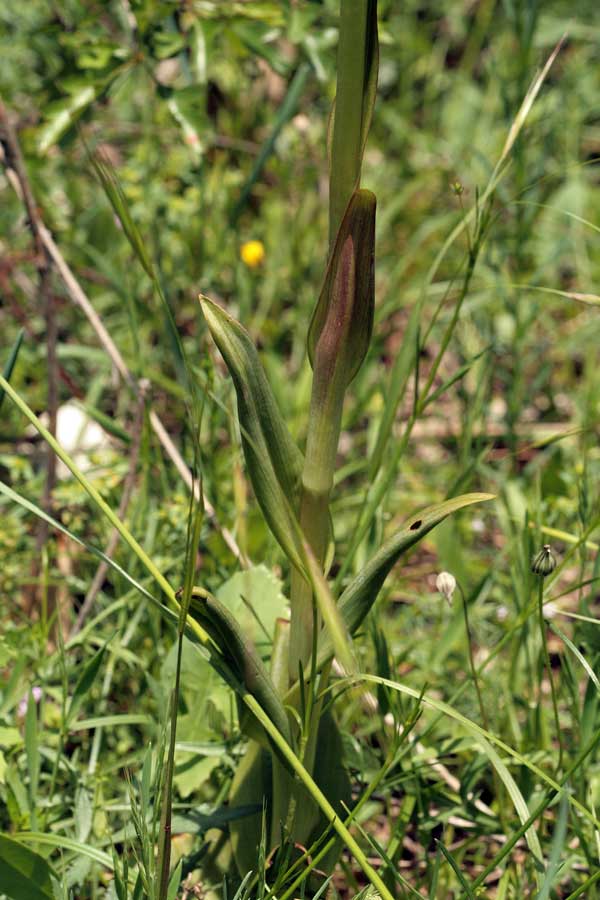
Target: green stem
[[314, 860], [542, 622], [346, 148], [498, 790], [318, 796], [381, 486], [484, 717], [324, 427]]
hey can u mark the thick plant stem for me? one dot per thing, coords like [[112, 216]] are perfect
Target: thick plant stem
[[317, 480], [346, 150], [356, 63], [549, 669], [318, 796]]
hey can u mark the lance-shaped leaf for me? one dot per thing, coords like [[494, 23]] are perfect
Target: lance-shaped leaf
[[273, 460], [342, 323], [241, 658], [360, 595]]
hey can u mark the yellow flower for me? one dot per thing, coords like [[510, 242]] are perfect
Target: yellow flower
[[252, 253]]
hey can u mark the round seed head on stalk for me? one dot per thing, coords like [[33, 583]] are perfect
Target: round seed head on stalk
[[544, 562], [446, 585]]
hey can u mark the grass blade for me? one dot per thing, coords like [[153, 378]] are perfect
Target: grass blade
[[11, 361]]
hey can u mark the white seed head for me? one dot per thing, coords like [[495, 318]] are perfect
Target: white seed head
[[446, 585]]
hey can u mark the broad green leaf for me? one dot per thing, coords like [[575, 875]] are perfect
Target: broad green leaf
[[193, 773], [360, 595], [84, 812], [273, 460], [23, 873], [342, 323], [255, 597], [9, 737]]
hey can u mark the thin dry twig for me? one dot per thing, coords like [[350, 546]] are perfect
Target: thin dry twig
[[13, 158], [77, 294], [128, 485], [80, 298]]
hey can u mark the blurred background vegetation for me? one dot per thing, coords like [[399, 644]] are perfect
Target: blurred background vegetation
[[214, 117]]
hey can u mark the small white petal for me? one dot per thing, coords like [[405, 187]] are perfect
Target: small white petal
[[446, 585]]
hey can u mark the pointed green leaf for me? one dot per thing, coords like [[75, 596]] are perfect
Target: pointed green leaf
[[175, 881], [360, 595], [241, 658], [113, 190], [23, 873], [85, 682], [342, 323], [273, 460]]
